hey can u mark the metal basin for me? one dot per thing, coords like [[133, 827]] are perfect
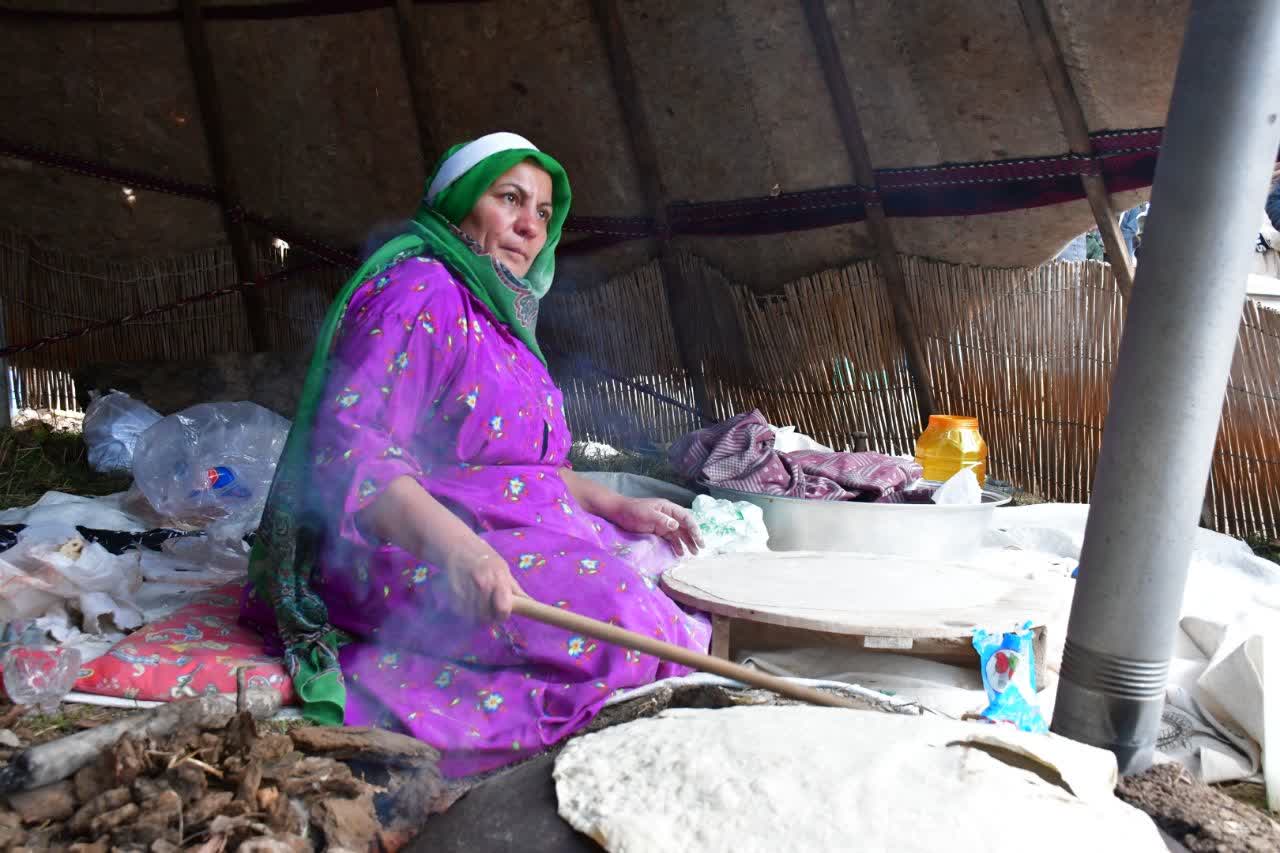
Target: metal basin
[[925, 531]]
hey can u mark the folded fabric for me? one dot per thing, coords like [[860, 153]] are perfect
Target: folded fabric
[[739, 454]]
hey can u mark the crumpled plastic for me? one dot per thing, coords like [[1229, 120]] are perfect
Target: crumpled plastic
[[112, 424], [960, 489], [52, 570], [729, 526], [110, 512], [210, 559]]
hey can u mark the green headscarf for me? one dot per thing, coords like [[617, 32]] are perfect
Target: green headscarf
[[290, 535], [434, 231]]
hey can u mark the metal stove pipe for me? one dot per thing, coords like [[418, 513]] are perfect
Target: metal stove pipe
[[1211, 181]]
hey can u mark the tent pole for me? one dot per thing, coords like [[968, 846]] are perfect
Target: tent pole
[[411, 57], [6, 391], [193, 33], [1049, 53], [645, 153], [864, 175], [1170, 379]]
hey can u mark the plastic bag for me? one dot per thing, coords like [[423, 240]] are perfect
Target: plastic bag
[[211, 464], [218, 559], [960, 488], [112, 424], [1008, 674], [52, 568], [788, 438], [728, 526]]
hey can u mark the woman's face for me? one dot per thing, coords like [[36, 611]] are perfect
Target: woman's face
[[510, 220]]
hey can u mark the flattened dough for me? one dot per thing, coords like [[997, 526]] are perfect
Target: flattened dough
[[865, 593], [802, 778]]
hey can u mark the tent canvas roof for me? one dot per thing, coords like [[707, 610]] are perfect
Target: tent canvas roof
[[320, 124]]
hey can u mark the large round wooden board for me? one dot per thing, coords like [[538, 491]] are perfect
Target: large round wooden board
[[862, 594]]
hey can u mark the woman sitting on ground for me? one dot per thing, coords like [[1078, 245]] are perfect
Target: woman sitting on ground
[[424, 487]]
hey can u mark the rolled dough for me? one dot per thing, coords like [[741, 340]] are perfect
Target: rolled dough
[[801, 778]]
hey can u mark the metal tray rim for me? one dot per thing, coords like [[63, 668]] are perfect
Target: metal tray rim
[[991, 499]]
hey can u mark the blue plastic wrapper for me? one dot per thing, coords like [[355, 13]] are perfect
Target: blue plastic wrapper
[[1008, 674]]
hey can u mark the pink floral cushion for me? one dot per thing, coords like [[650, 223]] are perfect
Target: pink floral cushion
[[194, 651]]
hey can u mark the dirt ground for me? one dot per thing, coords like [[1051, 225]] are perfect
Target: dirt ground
[[1202, 818]]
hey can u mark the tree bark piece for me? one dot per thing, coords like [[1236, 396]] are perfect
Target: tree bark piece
[[370, 745], [347, 824], [107, 822], [249, 784], [104, 802], [51, 802]]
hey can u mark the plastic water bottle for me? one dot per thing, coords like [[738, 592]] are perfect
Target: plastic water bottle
[[39, 673], [223, 482], [210, 464]]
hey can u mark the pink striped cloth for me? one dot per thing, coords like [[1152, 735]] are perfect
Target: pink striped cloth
[[739, 454]]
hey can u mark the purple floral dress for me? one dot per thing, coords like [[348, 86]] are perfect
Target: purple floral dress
[[425, 383]]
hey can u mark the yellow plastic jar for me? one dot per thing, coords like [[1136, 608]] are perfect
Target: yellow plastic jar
[[949, 443]]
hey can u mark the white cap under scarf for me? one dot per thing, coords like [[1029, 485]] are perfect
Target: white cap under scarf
[[470, 155]]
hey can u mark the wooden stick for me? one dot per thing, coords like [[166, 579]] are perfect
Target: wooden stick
[[224, 172], [855, 143], [1049, 53], [644, 151], [607, 633], [1271, 722], [424, 113]]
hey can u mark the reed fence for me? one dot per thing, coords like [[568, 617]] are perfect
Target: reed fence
[[1028, 351]]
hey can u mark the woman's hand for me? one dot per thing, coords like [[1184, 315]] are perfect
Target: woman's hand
[[481, 587], [638, 515], [660, 517]]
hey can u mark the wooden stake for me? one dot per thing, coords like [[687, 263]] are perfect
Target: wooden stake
[[605, 632], [855, 144], [645, 152], [5, 390], [1271, 721], [1076, 129], [223, 171]]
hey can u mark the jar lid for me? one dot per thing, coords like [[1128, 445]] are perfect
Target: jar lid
[[953, 421]]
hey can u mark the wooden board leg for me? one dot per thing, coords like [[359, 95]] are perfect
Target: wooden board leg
[[1040, 650], [720, 636]]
